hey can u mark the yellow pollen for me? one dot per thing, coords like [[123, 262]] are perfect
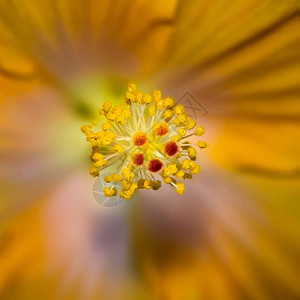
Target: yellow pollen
[[199, 131], [180, 188]]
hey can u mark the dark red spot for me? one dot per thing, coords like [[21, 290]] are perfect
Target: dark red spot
[[154, 165], [139, 139], [171, 148], [138, 159]]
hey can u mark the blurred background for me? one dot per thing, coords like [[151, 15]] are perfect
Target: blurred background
[[234, 234]]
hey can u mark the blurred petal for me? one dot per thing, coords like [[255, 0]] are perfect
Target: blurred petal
[[225, 238], [40, 144]]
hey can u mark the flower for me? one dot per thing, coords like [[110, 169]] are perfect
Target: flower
[[144, 140], [234, 233]]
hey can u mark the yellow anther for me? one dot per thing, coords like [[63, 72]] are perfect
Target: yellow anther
[[180, 174], [119, 149], [126, 113], [110, 192], [156, 185], [120, 120], [100, 163], [152, 110], [192, 152], [182, 132], [168, 102], [173, 169], [190, 123], [147, 98], [112, 115], [139, 97], [167, 180], [115, 112], [192, 164], [178, 109], [187, 176], [130, 97], [156, 95], [86, 129], [141, 183], [133, 187], [104, 138], [201, 144], [106, 106], [180, 120], [127, 193], [127, 173], [147, 184], [160, 104], [170, 170], [118, 177], [168, 114], [199, 131], [113, 177], [109, 178], [94, 171], [97, 156], [186, 164], [106, 126], [126, 184], [195, 170], [180, 188]]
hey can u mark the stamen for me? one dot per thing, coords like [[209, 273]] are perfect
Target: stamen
[[149, 132]]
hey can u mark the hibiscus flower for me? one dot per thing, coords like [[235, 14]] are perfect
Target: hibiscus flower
[[234, 233]]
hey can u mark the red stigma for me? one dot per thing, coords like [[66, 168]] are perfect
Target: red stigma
[[171, 148], [154, 165], [138, 159], [139, 139]]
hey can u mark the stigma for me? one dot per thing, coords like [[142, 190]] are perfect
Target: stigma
[[138, 159], [139, 139], [144, 142], [155, 165], [171, 148]]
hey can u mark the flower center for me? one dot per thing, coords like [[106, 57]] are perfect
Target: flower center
[[139, 139], [142, 140]]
